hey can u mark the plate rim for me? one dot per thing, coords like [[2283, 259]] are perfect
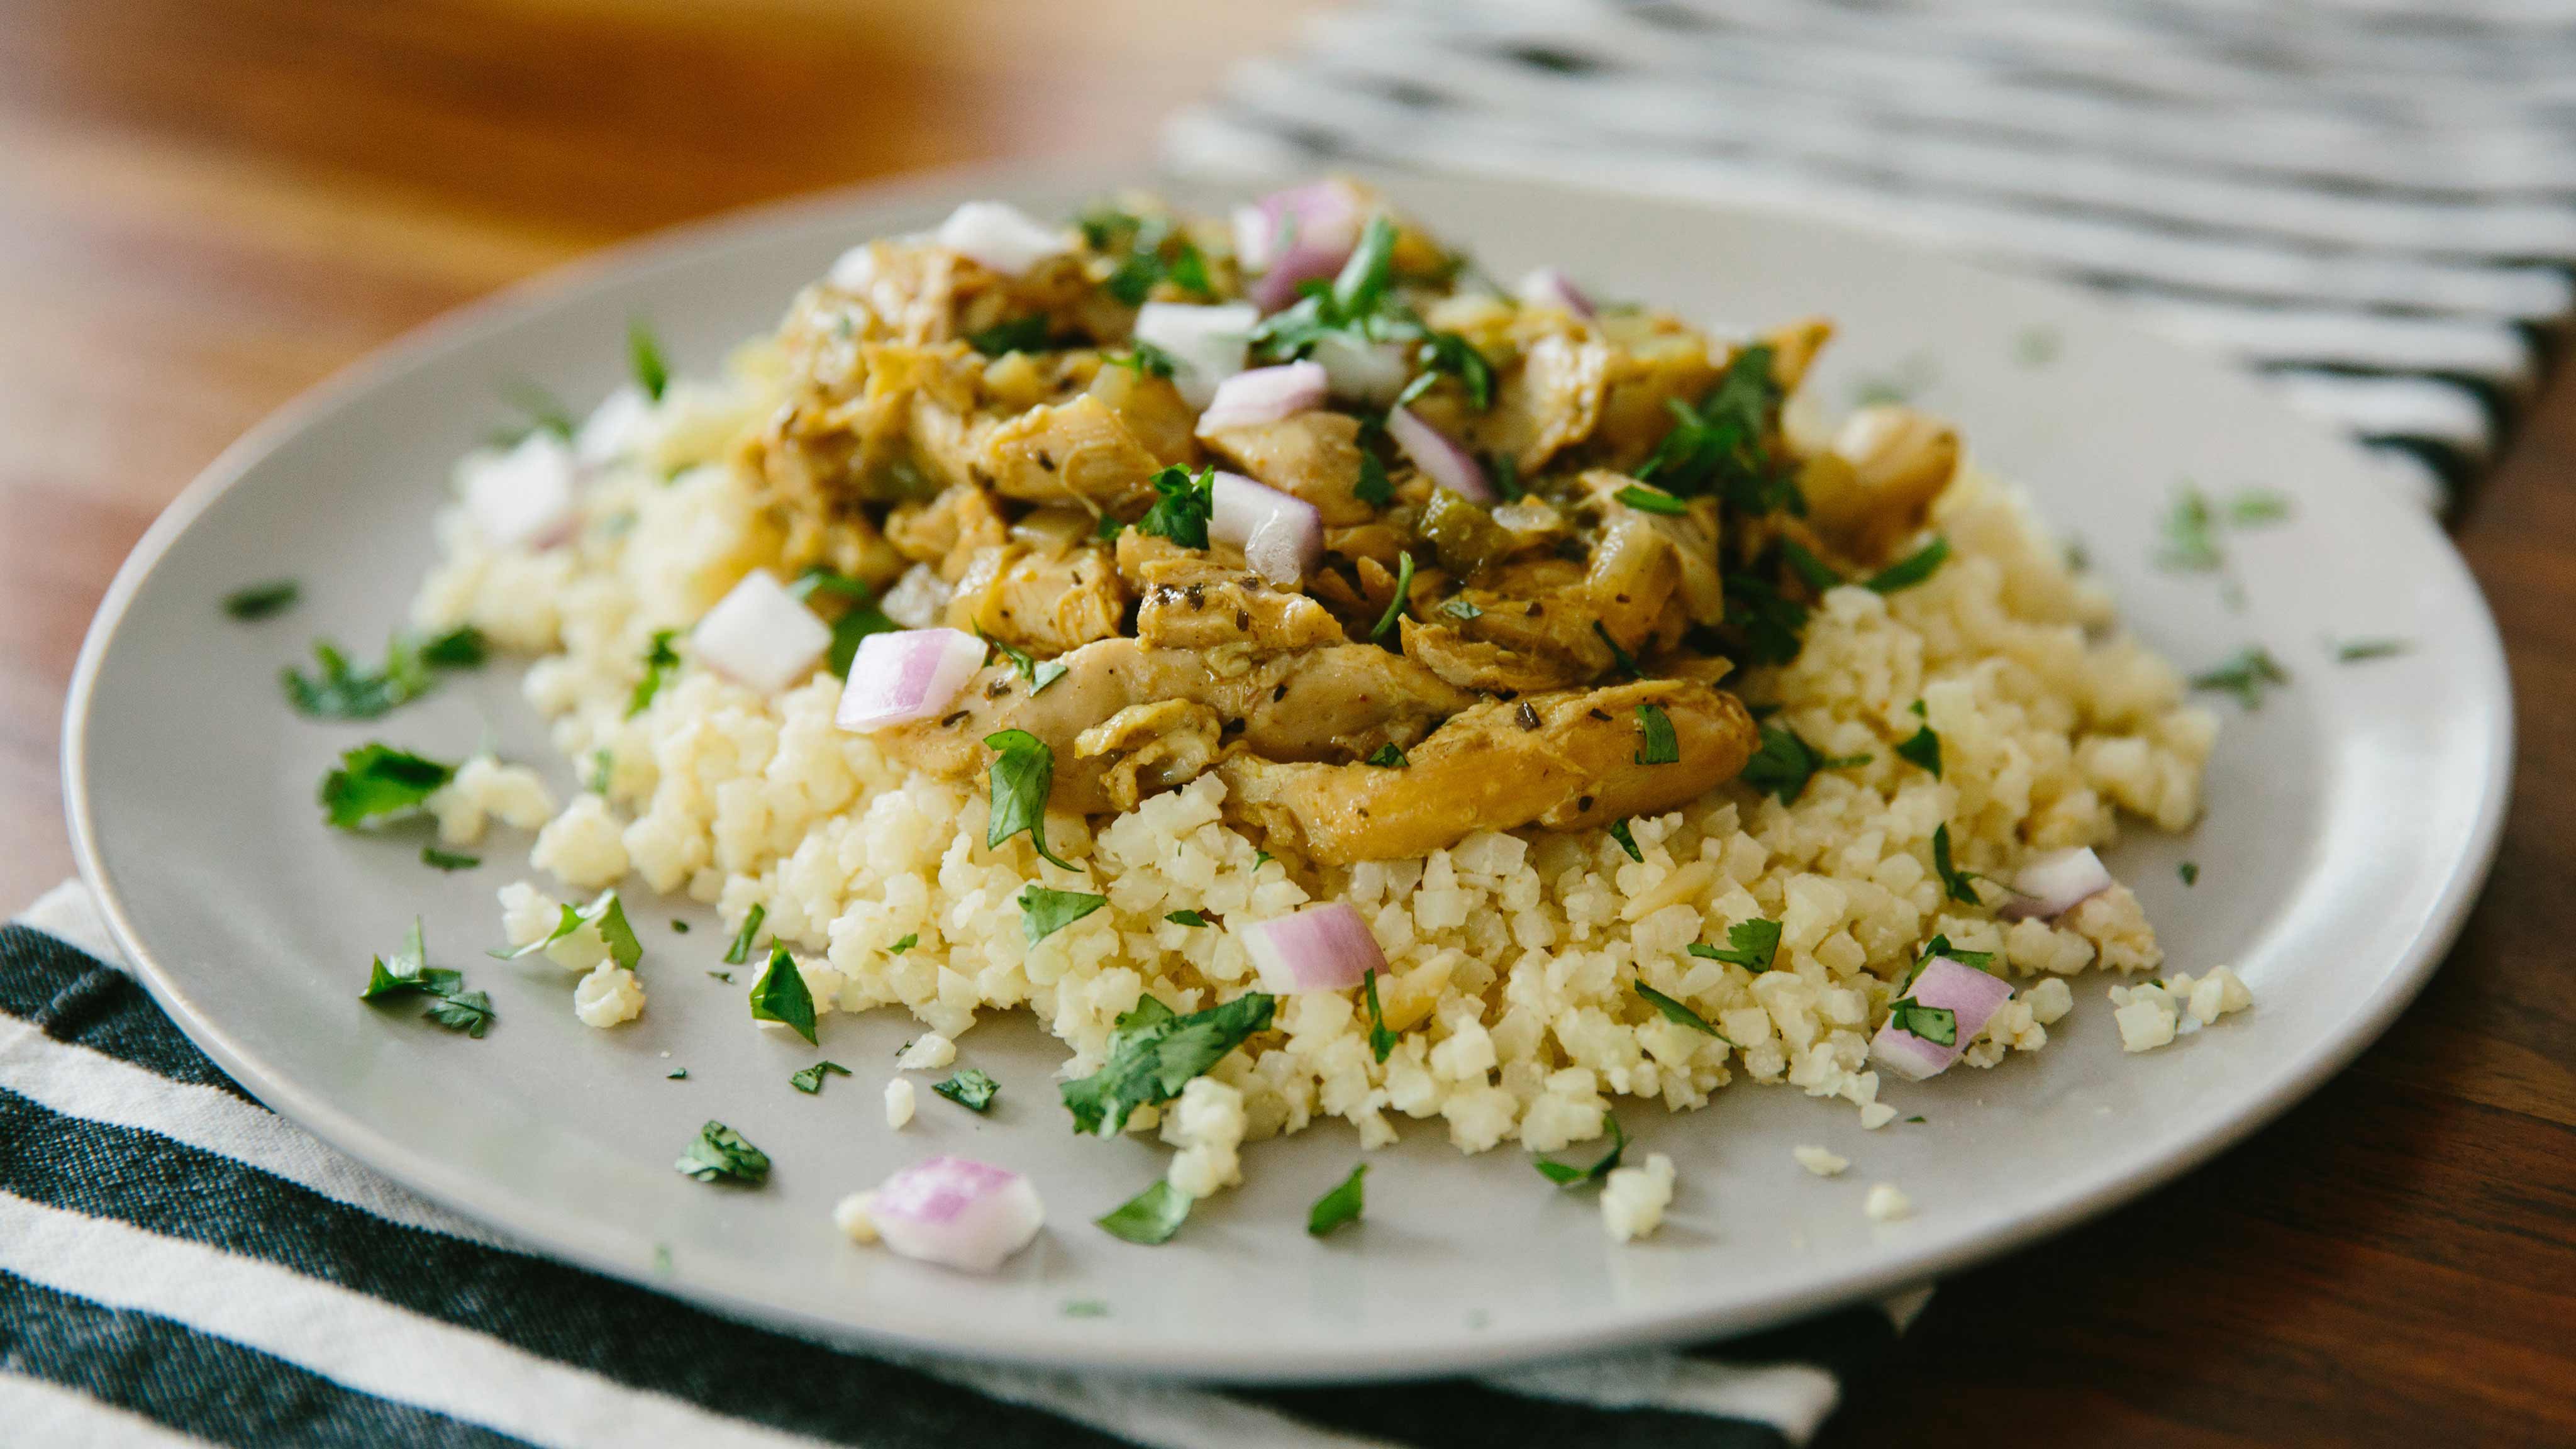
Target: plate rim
[[466, 1194]]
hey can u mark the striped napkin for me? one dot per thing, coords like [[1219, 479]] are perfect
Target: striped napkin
[[2373, 202], [180, 1266]]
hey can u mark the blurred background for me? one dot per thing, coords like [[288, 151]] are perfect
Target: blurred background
[[206, 206]]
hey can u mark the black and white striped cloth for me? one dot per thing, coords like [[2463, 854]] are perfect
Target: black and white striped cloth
[[2373, 201], [179, 1266]]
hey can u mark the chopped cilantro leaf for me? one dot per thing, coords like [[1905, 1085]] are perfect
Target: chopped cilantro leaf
[[1679, 1012], [1023, 774], [2189, 534], [721, 1154], [1765, 619], [1627, 839], [2035, 346], [644, 358], [1261, 858], [970, 1088], [676, 1074], [1381, 1040], [341, 690], [1651, 500], [1922, 749], [1936, 1024], [1388, 757], [1958, 885], [1811, 570], [1044, 912], [1364, 278], [1373, 488], [1661, 747], [659, 660], [724, 976], [376, 782], [409, 973], [1626, 662], [810, 1080], [1782, 764], [739, 952], [260, 601], [1461, 609], [2255, 507], [1085, 1308], [1154, 1053], [467, 1011], [437, 859], [1403, 596], [545, 413], [910, 940], [1019, 334], [1449, 353], [2245, 675], [1565, 1175], [780, 995], [2354, 651], [1718, 446], [2189, 870], [1150, 1217], [603, 769], [1910, 570], [1146, 358], [1341, 1205], [1186, 918], [1182, 504], [859, 615], [1039, 673], [1504, 471], [1750, 944]]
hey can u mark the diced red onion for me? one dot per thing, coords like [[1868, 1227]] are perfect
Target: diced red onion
[[1207, 344], [1364, 372], [1325, 947], [1548, 287], [1965, 992], [614, 428], [1000, 237], [1281, 535], [1298, 235], [1264, 395], [758, 635], [957, 1212], [1442, 461], [2051, 885], [524, 498], [912, 674]]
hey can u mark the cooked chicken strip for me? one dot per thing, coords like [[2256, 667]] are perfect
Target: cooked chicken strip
[[1033, 599], [1564, 761], [1314, 456], [1339, 702], [1195, 600]]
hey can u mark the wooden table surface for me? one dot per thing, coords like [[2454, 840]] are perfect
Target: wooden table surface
[[208, 205]]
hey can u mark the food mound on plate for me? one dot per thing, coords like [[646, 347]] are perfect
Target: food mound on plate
[[1426, 700]]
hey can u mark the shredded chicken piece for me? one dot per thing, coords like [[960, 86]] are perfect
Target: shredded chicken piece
[[1148, 748], [1564, 761]]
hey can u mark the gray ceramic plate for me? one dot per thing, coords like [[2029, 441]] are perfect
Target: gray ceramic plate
[[2351, 820]]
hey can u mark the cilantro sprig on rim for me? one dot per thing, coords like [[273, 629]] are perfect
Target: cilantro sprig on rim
[[1340, 1206], [1150, 1218], [339, 689], [376, 782], [410, 974], [720, 1154]]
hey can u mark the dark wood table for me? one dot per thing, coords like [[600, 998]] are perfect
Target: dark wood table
[[208, 205]]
